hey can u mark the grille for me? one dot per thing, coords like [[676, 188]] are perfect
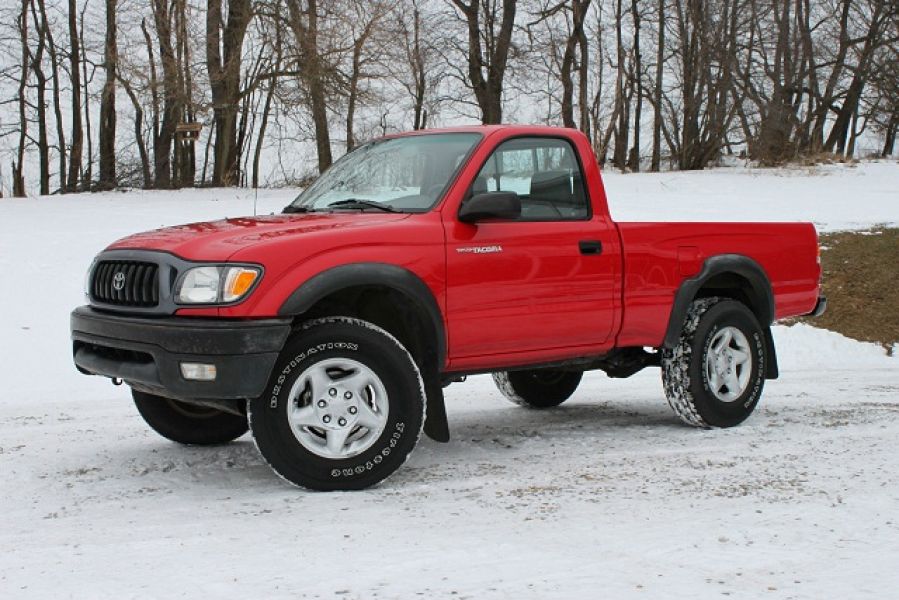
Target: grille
[[126, 283]]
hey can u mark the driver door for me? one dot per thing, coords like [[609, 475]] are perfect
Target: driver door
[[538, 286]]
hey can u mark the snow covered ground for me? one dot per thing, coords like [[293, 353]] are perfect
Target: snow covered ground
[[607, 496]]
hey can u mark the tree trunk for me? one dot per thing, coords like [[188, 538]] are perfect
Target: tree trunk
[[47, 33], [889, 142], [154, 96], [171, 103], [306, 34], [353, 93], [18, 177], [492, 59], [88, 173], [584, 71], [638, 68], [839, 63], [260, 137], [224, 44], [773, 144], [43, 146], [107, 133], [619, 157], [139, 133], [75, 78], [840, 131], [656, 162]]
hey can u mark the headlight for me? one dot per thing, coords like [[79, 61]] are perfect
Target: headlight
[[215, 284]]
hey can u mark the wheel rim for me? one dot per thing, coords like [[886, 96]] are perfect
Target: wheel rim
[[728, 364], [338, 408]]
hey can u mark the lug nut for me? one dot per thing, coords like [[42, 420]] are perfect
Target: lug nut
[[322, 404], [352, 410], [348, 395], [332, 391], [341, 421], [326, 419]]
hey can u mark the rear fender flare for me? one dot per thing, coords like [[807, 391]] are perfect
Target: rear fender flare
[[760, 294]]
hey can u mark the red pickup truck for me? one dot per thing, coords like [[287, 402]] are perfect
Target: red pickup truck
[[331, 329]]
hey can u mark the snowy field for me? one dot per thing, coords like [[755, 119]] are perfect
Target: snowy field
[[606, 497]]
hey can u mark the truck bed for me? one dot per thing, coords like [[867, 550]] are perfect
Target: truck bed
[[659, 256]]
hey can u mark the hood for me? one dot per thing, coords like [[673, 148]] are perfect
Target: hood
[[218, 240]]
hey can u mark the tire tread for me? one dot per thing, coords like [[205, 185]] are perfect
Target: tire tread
[[676, 366], [344, 320]]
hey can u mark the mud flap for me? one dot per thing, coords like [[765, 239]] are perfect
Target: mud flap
[[436, 426], [772, 371]]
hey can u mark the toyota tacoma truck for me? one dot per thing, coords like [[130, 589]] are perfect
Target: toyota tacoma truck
[[331, 329]]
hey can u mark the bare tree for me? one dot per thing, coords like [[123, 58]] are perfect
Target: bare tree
[[75, 79], [637, 84], [574, 59], [417, 73], [365, 21], [490, 25], [224, 44], [107, 133], [656, 160], [37, 66], [17, 166], [56, 90], [304, 23]]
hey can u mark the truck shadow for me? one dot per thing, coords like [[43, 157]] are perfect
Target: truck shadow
[[478, 435]]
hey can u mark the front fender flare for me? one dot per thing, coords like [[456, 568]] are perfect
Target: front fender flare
[[409, 284], [380, 274]]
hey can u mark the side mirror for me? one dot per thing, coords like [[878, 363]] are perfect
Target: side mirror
[[490, 205]]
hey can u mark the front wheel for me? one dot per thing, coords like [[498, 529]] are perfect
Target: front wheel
[[715, 375], [537, 388], [344, 407], [189, 424]]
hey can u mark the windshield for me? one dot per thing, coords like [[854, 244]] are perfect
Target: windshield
[[405, 174]]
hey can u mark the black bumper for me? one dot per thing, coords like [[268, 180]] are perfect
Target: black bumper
[[147, 352], [820, 307]]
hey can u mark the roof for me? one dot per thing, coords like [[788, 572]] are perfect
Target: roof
[[482, 129]]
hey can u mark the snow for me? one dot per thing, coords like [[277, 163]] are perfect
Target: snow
[[609, 495], [834, 197]]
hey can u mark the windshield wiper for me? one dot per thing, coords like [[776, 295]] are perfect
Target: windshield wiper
[[361, 204], [292, 208]]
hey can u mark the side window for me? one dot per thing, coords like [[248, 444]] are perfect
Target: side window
[[545, 174]]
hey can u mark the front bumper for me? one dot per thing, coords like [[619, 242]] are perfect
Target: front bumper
[[147, 352]]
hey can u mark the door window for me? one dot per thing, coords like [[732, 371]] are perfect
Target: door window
[[545, 174]]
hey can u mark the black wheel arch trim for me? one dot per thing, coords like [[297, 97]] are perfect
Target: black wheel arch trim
[[760, 289], [376, 274]]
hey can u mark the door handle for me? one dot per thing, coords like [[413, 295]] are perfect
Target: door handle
[[590, 246]]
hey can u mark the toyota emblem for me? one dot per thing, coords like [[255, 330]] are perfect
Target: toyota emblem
[[118, 281]]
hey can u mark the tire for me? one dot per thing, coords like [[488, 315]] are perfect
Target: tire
[[189, 424], [715, 375], [537, 388], [343, 409]]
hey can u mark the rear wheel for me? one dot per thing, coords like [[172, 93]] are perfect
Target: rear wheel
[[715, 375], [189, 423], [344, 407], [538, 388]]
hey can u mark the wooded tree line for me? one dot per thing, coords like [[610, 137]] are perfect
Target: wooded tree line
[[172, 93]]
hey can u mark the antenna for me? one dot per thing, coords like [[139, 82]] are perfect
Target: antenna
[[255, 199]]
